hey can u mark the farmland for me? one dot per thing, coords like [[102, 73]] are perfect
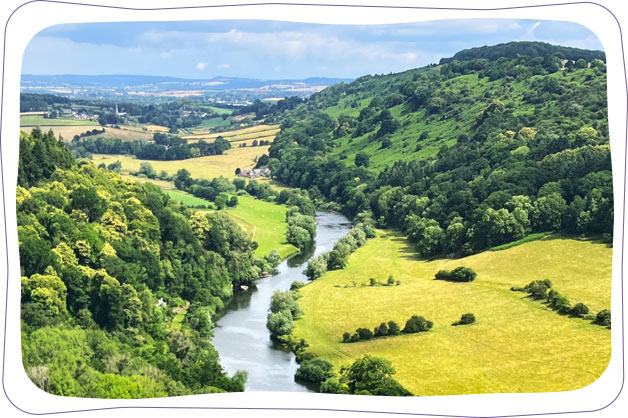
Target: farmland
[[37, 120], [206, 167], [269, 224], [517, 345]]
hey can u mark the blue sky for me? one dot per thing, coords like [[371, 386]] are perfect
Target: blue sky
[[275, 50]]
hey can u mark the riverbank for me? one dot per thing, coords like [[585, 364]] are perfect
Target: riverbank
[[240, 335]]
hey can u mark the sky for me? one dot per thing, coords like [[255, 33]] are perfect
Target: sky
[[275, 50]]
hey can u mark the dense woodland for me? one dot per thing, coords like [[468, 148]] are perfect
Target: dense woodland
[[97, 254], [522, 146]]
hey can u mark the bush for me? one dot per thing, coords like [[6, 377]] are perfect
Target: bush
[[603, 318], [346, 336], [381, 330], [364, 333], [393, 328], [465, 319], [316, 370], [417, 324], [538, 289], [459, 274], [579, 310], [557, 301], [296, 285]]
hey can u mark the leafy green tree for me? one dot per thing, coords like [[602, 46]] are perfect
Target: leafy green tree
[[361, 159], [280, 323], [417, 324]]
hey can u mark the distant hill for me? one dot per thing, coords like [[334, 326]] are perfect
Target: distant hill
[[76, 85], [524, 49]]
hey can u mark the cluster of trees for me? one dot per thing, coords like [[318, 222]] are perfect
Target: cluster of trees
[[284, 309], [88, 133], [368, 375], [256, 143], [164, 147], [97, 253], [459, 274], [503, 175], [301, 228], [265, 109], [336, 259], [218, 190], [542, 290], [414, 324]]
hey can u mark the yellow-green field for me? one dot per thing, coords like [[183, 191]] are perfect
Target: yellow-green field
[[516, 345], [252, 132], [202, 167]]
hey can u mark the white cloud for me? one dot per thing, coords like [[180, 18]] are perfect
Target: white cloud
[[201, 66], [225, 66]]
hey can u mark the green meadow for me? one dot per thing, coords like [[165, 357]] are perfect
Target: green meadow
[[266, 222], [516, 345], [38, 120]]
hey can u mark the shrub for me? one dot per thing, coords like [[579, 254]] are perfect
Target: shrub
[[364, 333], [417, 324], [381, 330], [603, 318], [391, 280], [316, 370], [459, 274], [538, 289], [296, 285], [346, 336], [579, 310], [557, 301], [393, 328], [465, 319]]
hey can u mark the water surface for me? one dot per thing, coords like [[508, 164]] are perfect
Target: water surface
[[241, 337]]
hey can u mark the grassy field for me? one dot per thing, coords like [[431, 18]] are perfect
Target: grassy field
[[37, 120], [269, 221], [252, 132], [516, 345], [188, 199], [202, 167], [67, 132]]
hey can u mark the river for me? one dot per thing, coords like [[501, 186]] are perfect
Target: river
[[241, 337]]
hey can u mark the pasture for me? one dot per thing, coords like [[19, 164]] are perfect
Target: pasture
[[38, 120], [516, 345], [206, 167]]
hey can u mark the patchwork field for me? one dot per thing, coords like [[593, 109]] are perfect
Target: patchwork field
[[253, 132], [516, 345], [67, 132]]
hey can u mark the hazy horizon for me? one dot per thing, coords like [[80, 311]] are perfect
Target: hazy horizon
[[271, 50]]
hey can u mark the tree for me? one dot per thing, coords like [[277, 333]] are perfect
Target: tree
[[315, 370], [86, 199], [372, 375], [361, 159], [280, 323], [147, 169], [381, 330], [417, 324], [465, 319], [393, 328]]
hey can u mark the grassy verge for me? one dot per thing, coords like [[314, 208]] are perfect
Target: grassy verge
[[516, 345]]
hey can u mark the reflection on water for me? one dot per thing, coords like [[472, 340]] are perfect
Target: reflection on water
[[241, 337]]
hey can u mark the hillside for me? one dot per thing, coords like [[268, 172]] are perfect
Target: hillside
[[120, 283], [460, 156]]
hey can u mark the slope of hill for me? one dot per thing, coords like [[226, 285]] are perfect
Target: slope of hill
[[461, 156]]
